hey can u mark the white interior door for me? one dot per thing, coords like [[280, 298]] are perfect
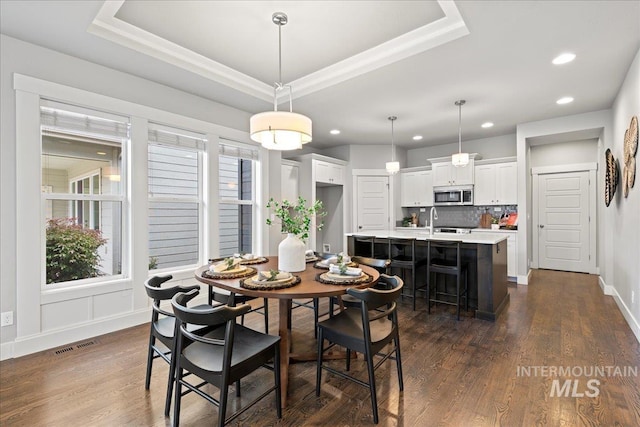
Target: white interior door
[[372, 203], [563, 221]]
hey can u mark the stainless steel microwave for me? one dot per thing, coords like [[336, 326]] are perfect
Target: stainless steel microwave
[[453, 196]]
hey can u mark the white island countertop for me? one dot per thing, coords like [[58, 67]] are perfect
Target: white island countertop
[[479, 238]]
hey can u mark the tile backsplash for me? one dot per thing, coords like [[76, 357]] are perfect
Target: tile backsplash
[[459, 216]]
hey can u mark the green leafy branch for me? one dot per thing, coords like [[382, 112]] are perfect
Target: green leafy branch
[[296, 218]]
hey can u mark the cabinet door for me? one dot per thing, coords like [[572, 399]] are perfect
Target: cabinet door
[[462, 175], [337, 174], [428, 197], [441, 174], [407, 195], [506, 183], [485, 187], [323, 171], [289, 182], [329, 173], [512, 270]]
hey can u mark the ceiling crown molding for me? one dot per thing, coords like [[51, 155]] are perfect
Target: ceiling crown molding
[[436, 33]]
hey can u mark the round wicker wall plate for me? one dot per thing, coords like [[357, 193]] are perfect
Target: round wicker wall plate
[[611, 177], [248, 271], [631, 173], [268, 286], [633, 136], [328, 280]]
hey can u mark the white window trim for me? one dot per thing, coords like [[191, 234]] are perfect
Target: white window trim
[[29, 295]]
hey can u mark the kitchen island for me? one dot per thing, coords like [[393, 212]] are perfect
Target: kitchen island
[[485, 252]]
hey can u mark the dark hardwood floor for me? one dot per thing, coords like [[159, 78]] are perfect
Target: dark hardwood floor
[[455, 373]]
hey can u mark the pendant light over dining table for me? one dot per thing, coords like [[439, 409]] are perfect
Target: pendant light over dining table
[[280, 130], [392, 166], [460, 158]]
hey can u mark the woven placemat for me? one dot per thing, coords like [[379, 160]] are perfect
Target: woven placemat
[[249, 271], [257, 260], [250, 284], [326, 267], [322, 278]]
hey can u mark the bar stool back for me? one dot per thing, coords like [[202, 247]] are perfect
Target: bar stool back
[[403, 255], [448, 261]]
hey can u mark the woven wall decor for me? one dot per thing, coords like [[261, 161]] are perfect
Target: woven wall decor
[[611, 177], [629, 158]]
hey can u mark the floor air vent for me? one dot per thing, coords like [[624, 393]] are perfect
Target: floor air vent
[[64, 350], [86, 344], [80, 346]]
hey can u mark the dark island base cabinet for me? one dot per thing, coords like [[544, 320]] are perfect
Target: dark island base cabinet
[[487, 273]]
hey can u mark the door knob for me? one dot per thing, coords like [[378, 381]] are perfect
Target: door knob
[[541, 226], [360, 227]]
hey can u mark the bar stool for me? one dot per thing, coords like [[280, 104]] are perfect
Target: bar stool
[[402, 253], [363, 246], [452, 266]]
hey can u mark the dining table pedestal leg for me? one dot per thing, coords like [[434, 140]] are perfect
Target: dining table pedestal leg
[[284, 330]]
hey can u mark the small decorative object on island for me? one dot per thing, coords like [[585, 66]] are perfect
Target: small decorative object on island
[[495, 225], [414, 219], [295, 220]]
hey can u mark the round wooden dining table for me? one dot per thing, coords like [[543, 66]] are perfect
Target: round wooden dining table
[[308, 287]]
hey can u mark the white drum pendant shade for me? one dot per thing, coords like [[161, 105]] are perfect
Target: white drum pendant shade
[[392, 167], [460, 159], [280, 130]]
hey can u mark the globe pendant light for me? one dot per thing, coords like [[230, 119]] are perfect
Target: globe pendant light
[[280, 130], [460, 159], [392, 166]]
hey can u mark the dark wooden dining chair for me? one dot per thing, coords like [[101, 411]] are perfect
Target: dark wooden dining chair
[[382, 265], [162, 328], [223, 296], [368, 331], [226, 354]]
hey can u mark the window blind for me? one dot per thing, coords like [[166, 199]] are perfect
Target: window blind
[[66, 119], [163, 135], [237, 150]]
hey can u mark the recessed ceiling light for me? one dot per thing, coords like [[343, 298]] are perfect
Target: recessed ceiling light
[[564, 100], [564, 58], [487, 125], [417, 137], [334, 132], [101, 153]]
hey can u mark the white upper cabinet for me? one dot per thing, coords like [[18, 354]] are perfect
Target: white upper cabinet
[[496, 184], [329, 173], [416, 189], [444, 174], [289, 181]]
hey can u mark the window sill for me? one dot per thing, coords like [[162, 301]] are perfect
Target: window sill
[[49, 296]]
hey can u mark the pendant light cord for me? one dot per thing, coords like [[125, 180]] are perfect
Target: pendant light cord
[[392, 118], [460, 128]]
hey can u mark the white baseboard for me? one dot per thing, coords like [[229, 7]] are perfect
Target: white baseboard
[[51, 339], [626, 313], [606, 289], [524, 279], [6, 350]]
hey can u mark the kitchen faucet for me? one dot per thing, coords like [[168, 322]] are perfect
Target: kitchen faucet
[[433, 214]]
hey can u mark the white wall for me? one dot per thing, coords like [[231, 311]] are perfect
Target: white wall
[[561, 153], [487, 148], [31, 60], [622, 217]]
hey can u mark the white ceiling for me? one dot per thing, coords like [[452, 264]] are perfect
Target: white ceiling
[[354, 63]]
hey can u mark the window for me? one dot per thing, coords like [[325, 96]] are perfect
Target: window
[[236, 193], [175, 197], [82, 192]]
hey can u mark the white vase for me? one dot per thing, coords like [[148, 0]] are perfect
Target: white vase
[[291, 254]]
